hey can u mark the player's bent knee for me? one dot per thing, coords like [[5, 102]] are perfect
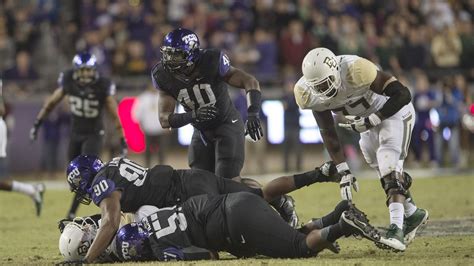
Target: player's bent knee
[[394, 184]]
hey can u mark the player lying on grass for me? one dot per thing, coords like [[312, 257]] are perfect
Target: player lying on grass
[[123, 185], [241, 223]]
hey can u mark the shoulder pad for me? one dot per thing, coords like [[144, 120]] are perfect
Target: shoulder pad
[[361, 73]]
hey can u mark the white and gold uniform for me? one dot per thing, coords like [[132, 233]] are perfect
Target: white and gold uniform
[[384, 146]]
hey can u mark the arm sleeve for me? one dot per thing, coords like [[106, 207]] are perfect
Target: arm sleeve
[[224, 64], [399, 97]]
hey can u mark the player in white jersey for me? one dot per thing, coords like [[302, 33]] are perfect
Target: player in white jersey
[[376, 105], [34, 191]]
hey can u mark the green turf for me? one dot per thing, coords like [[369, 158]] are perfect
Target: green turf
[[26, 239]]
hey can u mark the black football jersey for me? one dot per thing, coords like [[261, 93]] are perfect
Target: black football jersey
[[183, 225], [86, 102], [140, 186], [204, 86]]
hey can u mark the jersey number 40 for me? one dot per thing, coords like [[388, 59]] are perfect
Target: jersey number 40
[[201, 94]]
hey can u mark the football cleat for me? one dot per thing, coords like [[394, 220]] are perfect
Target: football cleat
[[393, 240], [38, 197], [354, 222], [413, 223], [287, 211]]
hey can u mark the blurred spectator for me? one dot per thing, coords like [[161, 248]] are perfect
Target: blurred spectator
[[22, 70], [135, 63], [292, 147], [413, 53], [7, 46], [145, 111], [245, 54], [424, 100], [266, 68], [351, 41], [451, 103], [446, 48], [294, 44]]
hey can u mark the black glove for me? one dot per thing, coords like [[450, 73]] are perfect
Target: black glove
[[253, 126], [34, 130], [123, 147], [205, 113]]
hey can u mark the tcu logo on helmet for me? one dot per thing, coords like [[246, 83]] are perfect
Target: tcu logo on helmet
[[71, 178], [190, 39], [331, 62]]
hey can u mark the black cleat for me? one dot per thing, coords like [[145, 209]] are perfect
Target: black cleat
[[354, 222]]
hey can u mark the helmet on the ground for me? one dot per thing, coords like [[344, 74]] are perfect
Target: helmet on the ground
[[321, 71], [76, 238], [80, 174], [85, 68], [180, 49], [132, 243]]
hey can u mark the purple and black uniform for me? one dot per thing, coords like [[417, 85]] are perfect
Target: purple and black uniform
[[160, 186], [216, 145], [242, 224], [87, 103]]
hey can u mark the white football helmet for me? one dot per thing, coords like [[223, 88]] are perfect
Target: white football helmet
[[321, 71], [76, 238]]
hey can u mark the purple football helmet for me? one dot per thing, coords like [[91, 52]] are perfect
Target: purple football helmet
[[80, 173], [132, 243], [180, 49], [85, 68]]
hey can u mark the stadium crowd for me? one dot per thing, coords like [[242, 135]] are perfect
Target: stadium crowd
[[429, 44]]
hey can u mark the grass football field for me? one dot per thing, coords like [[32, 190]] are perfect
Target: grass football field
[[448, 239]]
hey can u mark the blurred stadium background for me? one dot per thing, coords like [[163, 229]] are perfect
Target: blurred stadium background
[[428, 44]]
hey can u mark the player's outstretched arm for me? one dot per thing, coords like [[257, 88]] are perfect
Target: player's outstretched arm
[[241, 79], [110, 223], [331, 142], [48, 105]]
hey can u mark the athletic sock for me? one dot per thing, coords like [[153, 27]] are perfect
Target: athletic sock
[[332, 233], [23, 188], [396, 214], [333, 217], [409, 205]]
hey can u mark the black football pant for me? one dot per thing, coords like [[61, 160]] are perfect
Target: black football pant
[[220, 151]]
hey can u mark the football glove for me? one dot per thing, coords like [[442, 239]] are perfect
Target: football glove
[[361, 124], [205, 113], [34, 130], [253, 126], [348, 181]]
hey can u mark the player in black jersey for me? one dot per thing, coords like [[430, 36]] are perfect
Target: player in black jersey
[[197, 79], [88, 94], [123, 185]]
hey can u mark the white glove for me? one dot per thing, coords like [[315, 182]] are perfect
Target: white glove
[[348, 181], [361, 124]]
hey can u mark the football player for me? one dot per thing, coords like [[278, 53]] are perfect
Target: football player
[[240, 223], [88, 94], [34, 191], [376, 105], [123, 185], [198, 80]]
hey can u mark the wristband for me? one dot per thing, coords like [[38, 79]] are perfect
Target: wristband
[[254, 99]]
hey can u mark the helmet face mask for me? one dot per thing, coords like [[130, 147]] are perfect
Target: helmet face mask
[[180, 50], [132, 243], [321, 71], [76, 238], [80, 174], [85, 68]]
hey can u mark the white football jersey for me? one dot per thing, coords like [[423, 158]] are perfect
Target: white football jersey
[[354, 96]]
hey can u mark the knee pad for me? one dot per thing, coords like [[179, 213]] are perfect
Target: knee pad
[[407, 180], [393, 184]]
